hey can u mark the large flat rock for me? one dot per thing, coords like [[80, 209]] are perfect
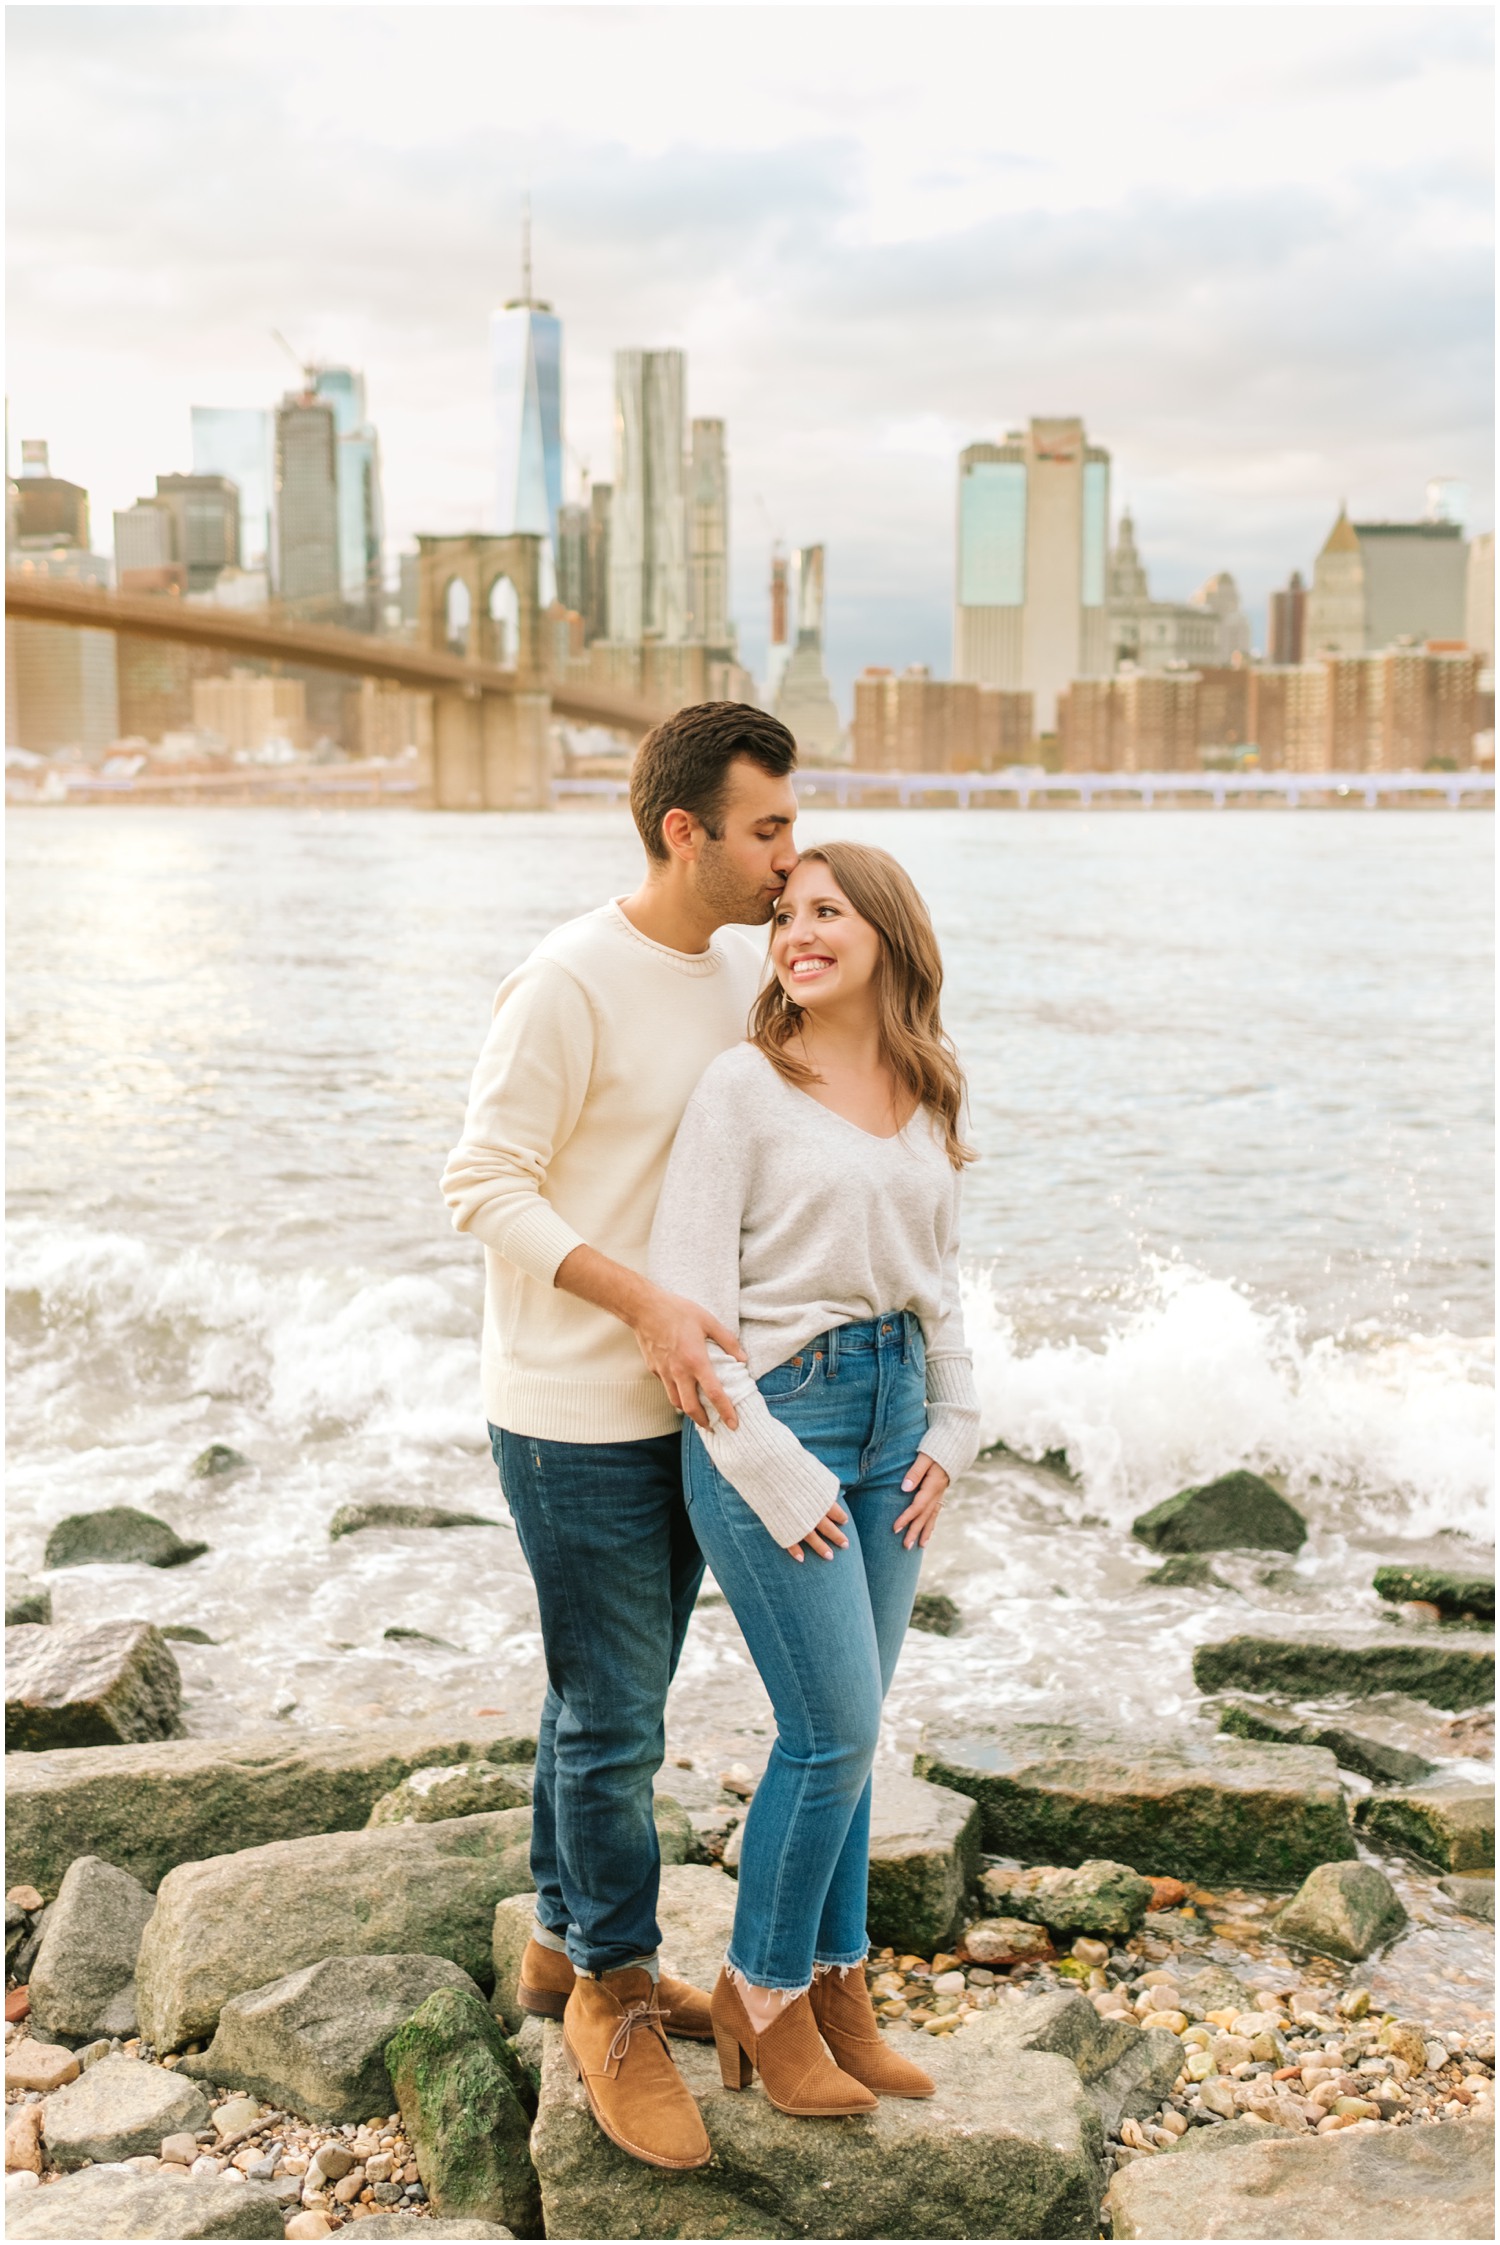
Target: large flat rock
[[148, 1808], [89, 1683], [1385, 2183], [1447, 1670], [1450, 1823], [1009, 2147], [314, 2041], [114, 2202], [240, 1921], [1353, 1745], [1199, 1806]]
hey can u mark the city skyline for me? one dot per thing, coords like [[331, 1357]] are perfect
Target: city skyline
[[860, 293]]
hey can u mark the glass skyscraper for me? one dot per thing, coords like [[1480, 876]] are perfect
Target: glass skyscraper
[[240, 442], [526, 373]]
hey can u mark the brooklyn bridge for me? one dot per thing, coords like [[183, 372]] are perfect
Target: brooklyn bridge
[[480, 651]]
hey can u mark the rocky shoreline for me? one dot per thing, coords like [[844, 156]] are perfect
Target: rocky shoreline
[[265, 1986]]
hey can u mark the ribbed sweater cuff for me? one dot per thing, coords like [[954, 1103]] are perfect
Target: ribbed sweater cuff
[[952, 1439], [538, 1241], [785, 1486]]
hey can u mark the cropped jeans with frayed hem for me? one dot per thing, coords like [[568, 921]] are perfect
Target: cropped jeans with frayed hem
[[604, 1530], [825, 1636]]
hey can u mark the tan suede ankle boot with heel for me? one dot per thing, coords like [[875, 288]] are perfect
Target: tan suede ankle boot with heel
[[612, 2030], [846, 2020], [796, 2071]]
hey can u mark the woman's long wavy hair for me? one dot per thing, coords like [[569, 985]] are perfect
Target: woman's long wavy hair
[[908, 985]]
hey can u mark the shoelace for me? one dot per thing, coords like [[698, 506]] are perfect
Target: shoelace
[[639, 2014]]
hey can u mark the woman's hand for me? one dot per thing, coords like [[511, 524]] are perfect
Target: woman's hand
[[926, 1485], [828, 1527]]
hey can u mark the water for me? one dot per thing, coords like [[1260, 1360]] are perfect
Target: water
[[1230, 1078]]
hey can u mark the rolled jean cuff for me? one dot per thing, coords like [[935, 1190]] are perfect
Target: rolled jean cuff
[[545, 1938], [651, 1964]]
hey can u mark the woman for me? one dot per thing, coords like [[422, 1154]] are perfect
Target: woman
[[811, 1202]]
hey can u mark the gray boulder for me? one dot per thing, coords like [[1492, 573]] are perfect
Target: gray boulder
[[1384, 2183], [465, 2103], [1127, 2070], [25, 1600], [1444, 1671], [1450, 1823], [1238, 1511], [240, 1921], [1097, 1897], [101, 1683], [430, 1796], [120, 2109], [936, 1613], [351, 1518], [1343, 1910], [110, 2202], [1010, 2146], [119, 1535], [83, 1980], [1195, 1806], [1457, 1597], [314, 2041], [1376, 1758], [148, 1808], [924, 1854], [1475, 1897]]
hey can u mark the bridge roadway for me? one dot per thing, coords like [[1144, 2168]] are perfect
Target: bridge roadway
[[266, 637], [1027, 784]]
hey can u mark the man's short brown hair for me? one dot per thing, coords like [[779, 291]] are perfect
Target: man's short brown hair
[[684, 764]]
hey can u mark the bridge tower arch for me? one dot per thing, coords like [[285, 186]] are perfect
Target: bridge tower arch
[[479, 597]]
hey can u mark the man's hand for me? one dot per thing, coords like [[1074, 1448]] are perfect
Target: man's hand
[[828, 1527], [673, 1333], [926, 1485]]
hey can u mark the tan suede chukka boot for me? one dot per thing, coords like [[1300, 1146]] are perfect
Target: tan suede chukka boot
[[796, 2071], [613, 2033], [846, 2020], [547, 1979]]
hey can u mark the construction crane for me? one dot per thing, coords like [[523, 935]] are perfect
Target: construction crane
[[307, 368]]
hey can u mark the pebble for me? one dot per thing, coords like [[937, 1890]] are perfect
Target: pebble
[[23, 2139], [1092, 1953], [25, 1898], [237, 2113], [40, 2065]]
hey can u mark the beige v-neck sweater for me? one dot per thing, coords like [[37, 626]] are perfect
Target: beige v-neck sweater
[[786, 1220], [597, 1042]]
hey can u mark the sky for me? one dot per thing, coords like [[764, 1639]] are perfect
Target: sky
[[1251, 246]]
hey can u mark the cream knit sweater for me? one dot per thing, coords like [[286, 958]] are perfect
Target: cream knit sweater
[[596, 1044], [785, 1220]]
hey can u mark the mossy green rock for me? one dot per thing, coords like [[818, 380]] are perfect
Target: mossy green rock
[[1457, 1597], [119, 1535], [148, 1808], [924, 1855], [218, 1459], [1239, 1511], [1196, 1807], [463, 2095], [1438, 1669], [430, 1796], [936, 1613], [1097, 1897], [351, 1518], [1450, 1823], [1185, 1570], [1374, 1758], [26, 1600]]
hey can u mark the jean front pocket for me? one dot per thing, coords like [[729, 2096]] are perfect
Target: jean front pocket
[[783, 1381]]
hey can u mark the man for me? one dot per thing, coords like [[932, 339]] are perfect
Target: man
[[597, 1042]]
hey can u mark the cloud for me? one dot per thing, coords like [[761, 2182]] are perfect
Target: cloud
[[1263, 276]]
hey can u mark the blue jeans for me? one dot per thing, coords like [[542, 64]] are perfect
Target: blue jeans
[[605, 1532], [825, 1636]]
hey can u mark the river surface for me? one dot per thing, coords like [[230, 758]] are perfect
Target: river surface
[[1231, 1083]]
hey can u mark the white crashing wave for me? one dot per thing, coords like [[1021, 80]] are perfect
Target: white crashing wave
[[112, 1338], [1196, 1379]]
